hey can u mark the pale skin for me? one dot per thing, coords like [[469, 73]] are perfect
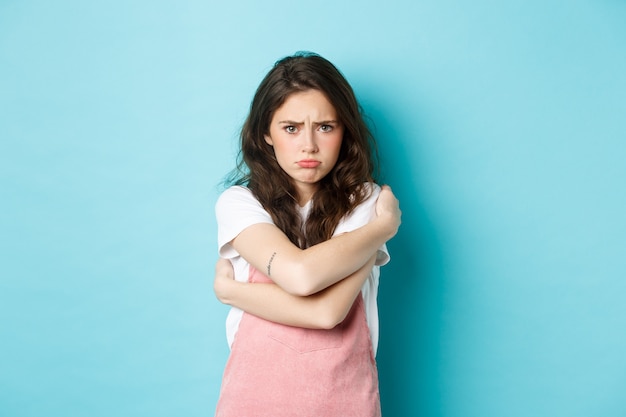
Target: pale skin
[[322, 310], [313, 287]]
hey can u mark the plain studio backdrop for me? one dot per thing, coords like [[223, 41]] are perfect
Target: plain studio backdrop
[[502, 129]]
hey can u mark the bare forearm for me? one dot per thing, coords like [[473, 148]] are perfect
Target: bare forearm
[[319, 266], [325, 264], [323, 310], [266, 248]]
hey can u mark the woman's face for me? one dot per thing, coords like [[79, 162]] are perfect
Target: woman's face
[[306, 136]]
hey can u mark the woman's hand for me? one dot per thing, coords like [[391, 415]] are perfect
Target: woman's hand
[[224, 279], [388, 209]]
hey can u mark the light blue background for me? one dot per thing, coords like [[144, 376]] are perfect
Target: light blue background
[[502, 128]]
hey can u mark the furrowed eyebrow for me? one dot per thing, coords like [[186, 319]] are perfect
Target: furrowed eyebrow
[[323, 122]]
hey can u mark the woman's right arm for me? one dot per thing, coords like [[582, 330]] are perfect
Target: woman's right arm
[[307, 271], [323, 310]]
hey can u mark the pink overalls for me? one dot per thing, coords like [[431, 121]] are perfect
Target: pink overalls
[[282, 371]]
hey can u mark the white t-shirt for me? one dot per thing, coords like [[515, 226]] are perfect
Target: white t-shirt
[[236, 209]]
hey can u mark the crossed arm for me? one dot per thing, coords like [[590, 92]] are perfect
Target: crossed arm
[[314, 287], [267, 248], [323, 310]]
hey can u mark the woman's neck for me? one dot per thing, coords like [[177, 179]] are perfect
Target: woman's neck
[[305, 193]]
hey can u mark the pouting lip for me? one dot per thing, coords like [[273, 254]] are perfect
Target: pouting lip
[[308, 163]]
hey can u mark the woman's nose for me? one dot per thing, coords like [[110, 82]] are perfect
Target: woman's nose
[[310, 143]]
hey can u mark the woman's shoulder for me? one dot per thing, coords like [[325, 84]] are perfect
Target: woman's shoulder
[[236, 195], [364, 212], [236, 190], [372, 186], [371, 191], [237, 204]]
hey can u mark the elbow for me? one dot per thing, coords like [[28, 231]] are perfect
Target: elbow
[[303, 290], [330, 323], [329, 319], [303, 283]]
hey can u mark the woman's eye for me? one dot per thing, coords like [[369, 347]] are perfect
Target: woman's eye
[[326, 128], [290, 129]]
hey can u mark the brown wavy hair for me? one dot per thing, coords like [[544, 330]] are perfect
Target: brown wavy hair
[[342, 189]]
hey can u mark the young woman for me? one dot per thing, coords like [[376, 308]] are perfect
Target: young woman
[[302, 231]]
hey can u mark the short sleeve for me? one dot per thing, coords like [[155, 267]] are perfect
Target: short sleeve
[[363, 214], [235, 210]]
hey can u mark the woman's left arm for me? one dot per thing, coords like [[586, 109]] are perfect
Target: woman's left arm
[[323, 310]]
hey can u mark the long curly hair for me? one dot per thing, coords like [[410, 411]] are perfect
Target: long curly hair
[[343, 188]]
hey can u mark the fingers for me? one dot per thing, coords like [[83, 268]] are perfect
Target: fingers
[[386, 199], [224, 276], [388, 206], [223, 267]]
